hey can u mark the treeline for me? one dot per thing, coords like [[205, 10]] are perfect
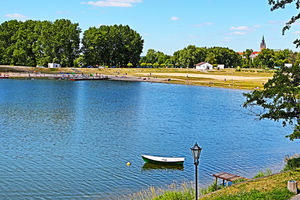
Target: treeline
[[269, 58], [192, 55], [33, 43], [37, 43]]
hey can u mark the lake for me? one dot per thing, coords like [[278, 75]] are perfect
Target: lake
[[72, 140]]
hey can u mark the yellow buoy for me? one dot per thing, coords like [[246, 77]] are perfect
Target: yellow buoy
[[128, 164]]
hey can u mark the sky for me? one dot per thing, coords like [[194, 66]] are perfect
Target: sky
[[171, 25]]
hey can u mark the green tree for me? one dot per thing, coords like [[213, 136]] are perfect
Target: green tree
[[277, 4], [211, 58], [248, 60], [115, 45], [266, 58], [280, 99]]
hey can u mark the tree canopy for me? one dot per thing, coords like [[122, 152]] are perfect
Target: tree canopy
[[277, 4], [116, 45], [280, 99], [32, 43]]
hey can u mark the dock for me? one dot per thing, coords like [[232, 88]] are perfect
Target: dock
[[226, 177]]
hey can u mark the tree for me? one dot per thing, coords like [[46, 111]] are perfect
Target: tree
[[32, 43], [211, 58], [277, 4], [280, 99], [115, 45], [266, 58], [248, 59]]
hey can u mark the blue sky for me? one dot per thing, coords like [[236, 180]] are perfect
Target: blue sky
[[170, 25]]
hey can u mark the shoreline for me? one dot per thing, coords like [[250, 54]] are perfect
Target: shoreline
[[112, 78], [228, 78]]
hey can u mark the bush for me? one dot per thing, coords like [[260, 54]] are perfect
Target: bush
[[292, 164]]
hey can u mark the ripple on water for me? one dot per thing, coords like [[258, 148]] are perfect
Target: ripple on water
[[72, 140]]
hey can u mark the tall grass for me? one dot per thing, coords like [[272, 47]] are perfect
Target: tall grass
[[173, 192], [268, 172]]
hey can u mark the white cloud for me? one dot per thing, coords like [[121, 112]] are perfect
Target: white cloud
[[174, 18], [240, 28], [112, 3], [239, 33], [15, 16]]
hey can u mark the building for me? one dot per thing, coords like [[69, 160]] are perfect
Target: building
[[204, 66], [53, 65], [263, 44], [220, 66], [288, 65]]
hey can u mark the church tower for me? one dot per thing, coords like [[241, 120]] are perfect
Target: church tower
[[263, 44]]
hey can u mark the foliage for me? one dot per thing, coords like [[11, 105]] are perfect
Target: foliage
[[281, 4], [211, 188], [262, 174], [155, 57], [191, 55], [278, 194], [173, 192], [115, 45], [280, 99], [177, 195], [32, 43], [292, 163]]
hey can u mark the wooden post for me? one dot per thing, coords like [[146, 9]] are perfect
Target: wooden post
[[216, 183], [223, 182], [292, 187]]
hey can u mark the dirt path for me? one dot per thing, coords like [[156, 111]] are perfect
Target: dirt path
[[210, 76]]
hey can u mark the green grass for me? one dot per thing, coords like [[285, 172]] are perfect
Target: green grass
[[277, 194], [268, 172], [267, 187]]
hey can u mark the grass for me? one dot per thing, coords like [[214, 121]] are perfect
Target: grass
[[262, 174], [280, 194], [267, 187], [173, 192]]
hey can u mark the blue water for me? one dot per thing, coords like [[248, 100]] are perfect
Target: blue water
[[72, 140]]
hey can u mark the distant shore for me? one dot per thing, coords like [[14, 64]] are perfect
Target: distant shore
[[248, 79]]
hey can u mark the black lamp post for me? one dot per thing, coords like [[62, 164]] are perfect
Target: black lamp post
[[196, 154]]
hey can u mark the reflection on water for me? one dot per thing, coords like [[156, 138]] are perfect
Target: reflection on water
[[72, 140], [150, 166]]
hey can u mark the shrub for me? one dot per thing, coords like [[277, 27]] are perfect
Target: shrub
[[292, 164]]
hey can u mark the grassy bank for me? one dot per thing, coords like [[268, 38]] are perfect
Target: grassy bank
[[228, 78], [268, 187]]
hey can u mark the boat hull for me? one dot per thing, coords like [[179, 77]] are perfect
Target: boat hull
[[163, 161]]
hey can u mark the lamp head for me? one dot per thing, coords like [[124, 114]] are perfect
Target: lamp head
[[196, 150]]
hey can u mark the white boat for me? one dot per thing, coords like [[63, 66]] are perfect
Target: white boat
[[163, 160]]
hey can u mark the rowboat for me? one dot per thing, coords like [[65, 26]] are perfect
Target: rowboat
[[163, 160]]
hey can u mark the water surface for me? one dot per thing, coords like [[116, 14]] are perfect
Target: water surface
[[72, 140]]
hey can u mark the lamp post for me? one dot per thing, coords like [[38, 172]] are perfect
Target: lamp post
[[196, 155]]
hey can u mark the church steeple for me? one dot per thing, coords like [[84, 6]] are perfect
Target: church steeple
[[263, 44]]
